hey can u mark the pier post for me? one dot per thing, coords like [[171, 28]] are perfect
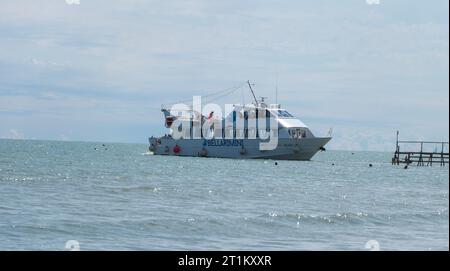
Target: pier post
[[420, 163]]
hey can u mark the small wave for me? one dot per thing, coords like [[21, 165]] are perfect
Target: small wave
[[31, 228], [121, 189], [297, 219], [20, 179], [349, 218], [6, 208]]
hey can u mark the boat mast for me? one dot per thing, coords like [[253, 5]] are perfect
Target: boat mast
[[253, 93], [276, 92]]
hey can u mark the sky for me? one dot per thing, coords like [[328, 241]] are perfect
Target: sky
[[99, 70]]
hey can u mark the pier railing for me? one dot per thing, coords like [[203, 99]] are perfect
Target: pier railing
[[420, 153]]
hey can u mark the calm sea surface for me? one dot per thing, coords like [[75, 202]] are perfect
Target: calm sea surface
[[117, 197]]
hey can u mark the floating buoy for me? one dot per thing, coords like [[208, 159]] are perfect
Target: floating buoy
[[370, 165], [276, 163], [176, 149]]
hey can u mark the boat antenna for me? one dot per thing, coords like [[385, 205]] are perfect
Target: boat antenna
[[243, 98], [253, 93], [276, 91]]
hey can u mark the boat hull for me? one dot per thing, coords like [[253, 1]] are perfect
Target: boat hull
[[287, 149]]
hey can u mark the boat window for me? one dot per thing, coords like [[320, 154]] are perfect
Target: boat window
[[284, 114]]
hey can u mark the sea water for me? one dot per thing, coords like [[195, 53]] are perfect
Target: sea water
[[103, 196]]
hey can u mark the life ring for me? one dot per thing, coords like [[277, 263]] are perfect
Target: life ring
[[176, 149]]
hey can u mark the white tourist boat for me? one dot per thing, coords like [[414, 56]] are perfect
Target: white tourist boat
[[240, 134]]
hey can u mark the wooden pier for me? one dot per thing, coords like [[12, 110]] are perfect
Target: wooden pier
[[420, 154]]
